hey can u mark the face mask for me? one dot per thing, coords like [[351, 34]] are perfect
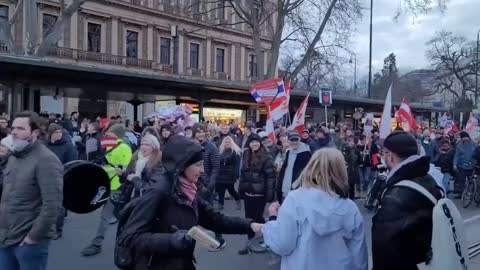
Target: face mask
[[425, 141], [19, 145]]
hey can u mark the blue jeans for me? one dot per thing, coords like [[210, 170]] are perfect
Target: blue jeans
[[365, 177], [446, 181], [26, 257]]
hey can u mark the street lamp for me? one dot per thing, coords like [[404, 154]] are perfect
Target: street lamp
[[354, 72], [476, 68], [370, 56]]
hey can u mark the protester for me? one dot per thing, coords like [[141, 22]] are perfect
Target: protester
[[296, 159], [230, 155], [324, 139], [166, 245], [31, 198], [213, 135], [72, 125], [3, 122], [225, 131], [257, 182], [317, 225], [431, 149], [117, 159], [249, 132], [211, 156], [166, 131], [307, 139], [445, 162], [351, 154], [402, 227], [188, 132], [462, 161], [364, 163], [59, 144], [267, 143], [6, 150], [93, 149], [281, 156]]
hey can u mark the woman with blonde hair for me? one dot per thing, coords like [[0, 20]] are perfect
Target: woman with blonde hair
[[229, 172], [318, 226]]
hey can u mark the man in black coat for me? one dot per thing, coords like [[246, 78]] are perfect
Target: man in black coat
[[298, 155], [307, 139], [402, 227]]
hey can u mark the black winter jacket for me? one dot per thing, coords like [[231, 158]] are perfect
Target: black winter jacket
[[163, 209], [229, 167], [63, 149], [257, 175], [311, 143], [211, 159], [445, 161], [300, 162], [402, 227]]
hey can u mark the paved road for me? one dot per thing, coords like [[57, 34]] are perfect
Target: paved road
[[79, 230]]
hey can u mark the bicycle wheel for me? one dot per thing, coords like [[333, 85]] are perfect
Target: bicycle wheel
[[468, 194], [476, 197]]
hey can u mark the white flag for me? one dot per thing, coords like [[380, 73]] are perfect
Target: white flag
[[386, 122]]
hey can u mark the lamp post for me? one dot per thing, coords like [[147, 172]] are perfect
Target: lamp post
[[370, 56], [354, 73], [476, 68]]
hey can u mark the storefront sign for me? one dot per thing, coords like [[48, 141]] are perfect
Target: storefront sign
[[222, 113], [164, 104]]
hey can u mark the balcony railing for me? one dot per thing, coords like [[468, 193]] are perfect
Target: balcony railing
[[75, 54]]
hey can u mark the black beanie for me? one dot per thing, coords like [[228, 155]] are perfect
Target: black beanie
[[194, 159], [402, 144]]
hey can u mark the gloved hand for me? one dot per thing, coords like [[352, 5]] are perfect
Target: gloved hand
[[181, 241]]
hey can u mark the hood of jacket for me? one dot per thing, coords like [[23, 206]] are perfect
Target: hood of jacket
[[177, 152], [65, 138], [327, 213], [301, 148], [410, 168]]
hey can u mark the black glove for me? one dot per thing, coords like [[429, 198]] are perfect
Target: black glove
[[181, 241]]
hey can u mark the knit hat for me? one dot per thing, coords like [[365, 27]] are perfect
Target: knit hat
[[402, 144], [52, 128], [194, 159], [197, 127], [151, 140], [118, 130], [253, 137], [8, 143], [464, 134]]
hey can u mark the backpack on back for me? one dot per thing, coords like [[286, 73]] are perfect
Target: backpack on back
[[449, 245]]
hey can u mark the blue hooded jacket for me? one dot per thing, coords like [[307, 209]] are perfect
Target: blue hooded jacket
[[317, 230]]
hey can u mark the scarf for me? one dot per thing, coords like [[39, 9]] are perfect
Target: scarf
[[188, 188], [140, 165]]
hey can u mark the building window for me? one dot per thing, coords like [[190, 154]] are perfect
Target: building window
[[165, 51], [194, 55], [220, 60], [221, 10], [3, 14], [48, 24], [252, 66], [196, 7], [94, 37], [132, 44]]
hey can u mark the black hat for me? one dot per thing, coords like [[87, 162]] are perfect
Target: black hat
[[402, 144], [253, 137], [464, 134], [197, 127]]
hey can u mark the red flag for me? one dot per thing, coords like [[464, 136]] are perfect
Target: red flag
[[406, 115], [298, 122]]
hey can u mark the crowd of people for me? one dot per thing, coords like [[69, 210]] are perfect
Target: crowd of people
[[164, 181]]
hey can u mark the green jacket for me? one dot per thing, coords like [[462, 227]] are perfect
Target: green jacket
[[120, 156], [32, 195]]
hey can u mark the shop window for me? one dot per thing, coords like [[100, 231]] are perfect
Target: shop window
[[252, 66], [194, 55], [220, 65], [132, 44], [94, 37], [165, 51], [3, 13], [48, 23]]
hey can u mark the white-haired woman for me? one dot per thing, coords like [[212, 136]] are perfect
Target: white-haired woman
[[230, 155], [318, 226]]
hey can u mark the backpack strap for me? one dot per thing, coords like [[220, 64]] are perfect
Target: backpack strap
[[412, 185]]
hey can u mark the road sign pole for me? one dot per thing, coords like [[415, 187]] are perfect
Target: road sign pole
[[326, 116]]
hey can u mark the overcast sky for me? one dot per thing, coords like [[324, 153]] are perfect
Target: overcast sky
[[407, 36]]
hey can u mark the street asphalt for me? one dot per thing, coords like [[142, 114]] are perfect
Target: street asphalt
[[80, 229]]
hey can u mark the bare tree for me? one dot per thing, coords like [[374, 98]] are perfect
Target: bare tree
[[29, 8], [453, 59]]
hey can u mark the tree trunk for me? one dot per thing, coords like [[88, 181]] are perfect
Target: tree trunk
[[257, 45], [277, 41]]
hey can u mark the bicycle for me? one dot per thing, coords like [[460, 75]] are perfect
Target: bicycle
[[372, 202], [470, 192]]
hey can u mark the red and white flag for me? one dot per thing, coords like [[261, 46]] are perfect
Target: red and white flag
[[406, 115], [279, 106], [472, 123], [386, 120], [298, 123], [270, 129], [108, 142]]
